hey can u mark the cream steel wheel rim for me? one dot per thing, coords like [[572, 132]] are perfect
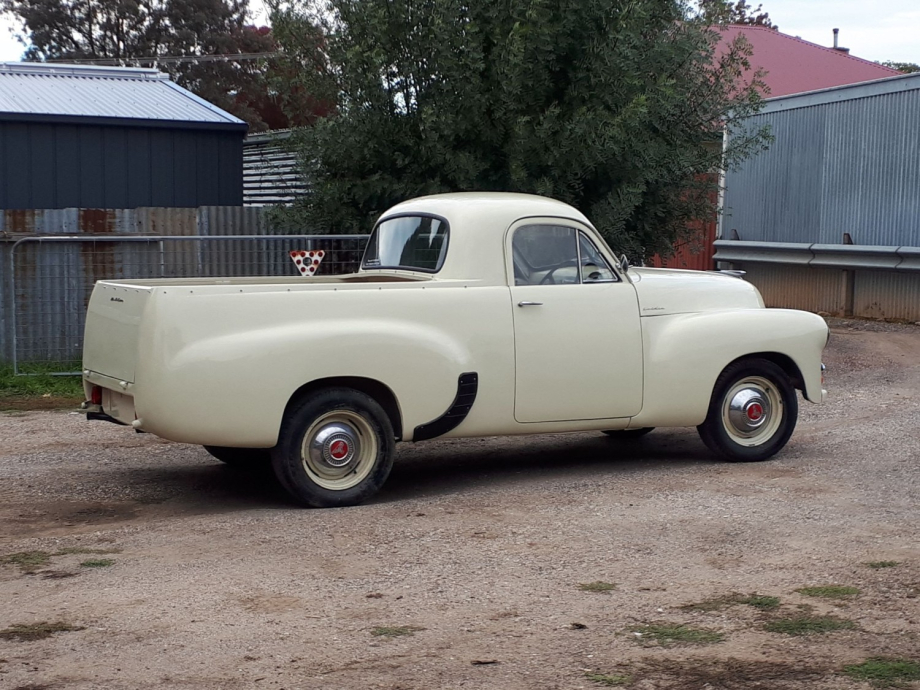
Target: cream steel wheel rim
[[752, 411], [339, 450]]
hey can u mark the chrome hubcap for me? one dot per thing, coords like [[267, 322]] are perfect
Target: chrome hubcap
[[748, 410], [334, 446], [752, 411], [339, 450]]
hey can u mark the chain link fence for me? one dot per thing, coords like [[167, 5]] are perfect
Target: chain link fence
[[50, 279]]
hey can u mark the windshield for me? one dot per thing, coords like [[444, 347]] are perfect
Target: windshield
[[416, 243]]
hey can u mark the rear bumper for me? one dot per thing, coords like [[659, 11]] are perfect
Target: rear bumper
[[117, 399]]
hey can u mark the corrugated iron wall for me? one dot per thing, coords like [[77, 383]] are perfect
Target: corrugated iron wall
[[798, 287], [271, 170], [883, 295], [844, 170], [875, 294], [694, 254], [45, 285], [845, 160]]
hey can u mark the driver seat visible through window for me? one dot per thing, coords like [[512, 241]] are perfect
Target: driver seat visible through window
[[556, 255]]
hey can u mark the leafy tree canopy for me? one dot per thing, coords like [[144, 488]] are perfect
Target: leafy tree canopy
[[735, 12], [129, 32], [617, 107], [905, 67]]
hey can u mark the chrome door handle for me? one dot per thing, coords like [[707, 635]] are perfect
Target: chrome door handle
[[530, 304]]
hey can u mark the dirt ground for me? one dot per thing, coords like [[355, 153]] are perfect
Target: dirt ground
[[466, 571]]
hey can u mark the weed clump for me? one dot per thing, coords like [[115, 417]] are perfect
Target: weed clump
[[598, 587], [98, 563], [807, 624], [669, 635], [395, 631], [758, 601], [29, 632], [829, 591], [28, 561], [883, 672], [608, 679]]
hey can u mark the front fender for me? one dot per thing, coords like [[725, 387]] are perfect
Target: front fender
[[685, 353]]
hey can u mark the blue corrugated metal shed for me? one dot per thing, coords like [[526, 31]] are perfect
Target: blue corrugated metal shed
[[113, 93], [74, 136], [844, 160]]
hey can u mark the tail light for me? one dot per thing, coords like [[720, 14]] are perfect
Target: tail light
[[95, 396]]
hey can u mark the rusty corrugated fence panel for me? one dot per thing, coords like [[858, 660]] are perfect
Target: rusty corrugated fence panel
[[693, 254], [798, 287], [887, 295]]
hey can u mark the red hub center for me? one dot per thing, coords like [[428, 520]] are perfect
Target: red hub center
[[755, 411], [338, 450]]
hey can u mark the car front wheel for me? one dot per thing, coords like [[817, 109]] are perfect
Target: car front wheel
[[335, 449], [752, 412]]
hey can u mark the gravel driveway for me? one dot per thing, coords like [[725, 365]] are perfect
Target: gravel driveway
[[554, 561]]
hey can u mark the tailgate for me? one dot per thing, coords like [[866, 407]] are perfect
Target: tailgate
[[112, 322]]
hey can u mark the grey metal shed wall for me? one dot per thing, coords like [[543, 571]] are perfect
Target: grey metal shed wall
[[271, 171], [844, 161], [51, 165]]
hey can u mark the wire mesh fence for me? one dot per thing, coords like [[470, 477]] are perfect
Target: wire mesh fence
[[50, 279]]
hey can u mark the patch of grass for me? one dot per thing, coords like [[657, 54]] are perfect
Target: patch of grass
[[41, 381], [758, 601], [806, 624], [598, 587], [28, 632], [84, 551], [878, 565], [669, 635], [28, 561], [608, 679], [829, 591], [98, 563], [395, 631], [882, 672]]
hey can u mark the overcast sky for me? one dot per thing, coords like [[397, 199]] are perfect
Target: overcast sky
[[873, 30]]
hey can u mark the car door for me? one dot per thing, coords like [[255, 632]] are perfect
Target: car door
[[577, 341]]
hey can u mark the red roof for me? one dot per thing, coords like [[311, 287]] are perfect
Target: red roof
[[793, 65]]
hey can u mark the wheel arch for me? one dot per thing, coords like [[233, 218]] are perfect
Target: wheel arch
[[783, 361], [380, 392]]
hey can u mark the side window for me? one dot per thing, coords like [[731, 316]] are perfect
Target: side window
[[594, 268], [545, 255]]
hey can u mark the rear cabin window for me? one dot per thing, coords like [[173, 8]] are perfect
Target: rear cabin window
[[414, 243]]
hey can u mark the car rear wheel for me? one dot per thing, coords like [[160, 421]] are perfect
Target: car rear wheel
[[752, 412], [335, 449]]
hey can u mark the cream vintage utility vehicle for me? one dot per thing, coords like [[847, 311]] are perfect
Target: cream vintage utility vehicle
[[471, 315]]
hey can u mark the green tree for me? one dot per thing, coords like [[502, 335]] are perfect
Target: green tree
[[617, 107], [905, 67], [154, 33], [735, 12]]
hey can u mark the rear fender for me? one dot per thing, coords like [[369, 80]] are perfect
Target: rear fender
[[241, 382]]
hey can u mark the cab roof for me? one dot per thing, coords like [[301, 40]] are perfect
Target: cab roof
[[496, 210]]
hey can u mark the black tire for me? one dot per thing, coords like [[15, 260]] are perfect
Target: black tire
[[350, 454], [241, 458], [763, 417], [629, 434]]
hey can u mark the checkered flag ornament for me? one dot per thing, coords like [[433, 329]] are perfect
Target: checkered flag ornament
[[306, 262]]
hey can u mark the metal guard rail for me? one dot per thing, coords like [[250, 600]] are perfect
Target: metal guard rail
[[843, 256]]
